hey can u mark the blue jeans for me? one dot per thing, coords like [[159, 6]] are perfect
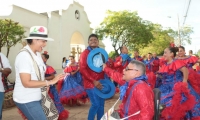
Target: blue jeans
[[1, 103], [97, 106], [32, 110]]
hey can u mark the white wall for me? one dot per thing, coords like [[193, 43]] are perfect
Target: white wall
[[26, 19], [61, 29]]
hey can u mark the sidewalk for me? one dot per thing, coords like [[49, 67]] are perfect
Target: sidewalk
[[75, 112]]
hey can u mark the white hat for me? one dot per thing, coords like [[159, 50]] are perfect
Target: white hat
[[39, 32]]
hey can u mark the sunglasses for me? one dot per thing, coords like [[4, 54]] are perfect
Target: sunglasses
[[127, 69]]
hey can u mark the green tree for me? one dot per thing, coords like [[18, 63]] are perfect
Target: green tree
[[185, 33], [198, 52], [11, 33], [161, 40], [112, 54], [125, 28]]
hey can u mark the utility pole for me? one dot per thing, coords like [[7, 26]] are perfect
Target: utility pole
[[179, 38]]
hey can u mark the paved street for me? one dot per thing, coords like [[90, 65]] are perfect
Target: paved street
[[75, 112]]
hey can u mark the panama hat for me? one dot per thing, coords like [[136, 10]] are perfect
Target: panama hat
[[96, 58], [108, 89], [39, 32]]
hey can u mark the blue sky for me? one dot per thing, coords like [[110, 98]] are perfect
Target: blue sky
[[156, 11]]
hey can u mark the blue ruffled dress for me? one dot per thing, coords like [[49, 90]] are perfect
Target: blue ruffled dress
[[72, 88], [181, 100], [53, 93]]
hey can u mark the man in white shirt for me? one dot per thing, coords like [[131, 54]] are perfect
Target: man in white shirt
[[5, 68]]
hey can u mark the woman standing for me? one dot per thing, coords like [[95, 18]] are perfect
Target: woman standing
[[27, 92], [49, 75], [64, 62], [176, 92], [71, 90], [190, 61]]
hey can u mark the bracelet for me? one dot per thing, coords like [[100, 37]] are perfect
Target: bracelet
[[47, 83], [2, 69]]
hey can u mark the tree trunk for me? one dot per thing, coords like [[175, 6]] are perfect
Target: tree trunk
[[114, 46], [0, 46], [116, 51], [8, 50]]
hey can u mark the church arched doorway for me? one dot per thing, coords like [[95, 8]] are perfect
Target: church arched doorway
[[77, 45]]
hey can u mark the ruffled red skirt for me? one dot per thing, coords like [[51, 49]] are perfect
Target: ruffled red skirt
[[194, 79]]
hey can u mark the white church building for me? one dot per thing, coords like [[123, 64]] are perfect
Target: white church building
[[69, 28]]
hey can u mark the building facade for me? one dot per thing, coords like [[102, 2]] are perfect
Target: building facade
[[69, 28]]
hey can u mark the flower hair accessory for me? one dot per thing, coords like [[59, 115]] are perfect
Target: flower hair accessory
[[39, 32], [45, 52]]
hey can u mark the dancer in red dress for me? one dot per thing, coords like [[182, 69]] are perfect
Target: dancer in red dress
[[71, 90], [181, 100], [194, 77]]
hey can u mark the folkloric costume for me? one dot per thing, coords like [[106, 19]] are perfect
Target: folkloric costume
[[71, 87], [89, 76], [198, 69], [63, 114], [149, 64], [139, 58], [161, 62], [136, 95], [190, 61], [156, 64], [172, 44], [151, 78], [151, 69], [110, 63], [179, 97], [193, 77], [121, 62]]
